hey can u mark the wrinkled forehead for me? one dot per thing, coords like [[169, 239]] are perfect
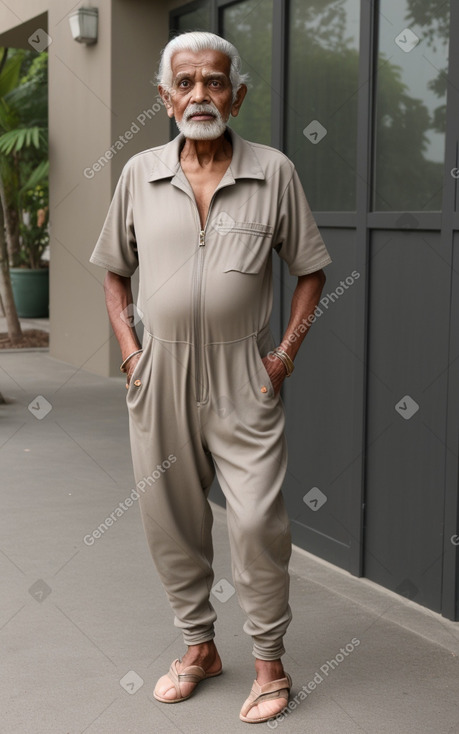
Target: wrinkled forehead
[[200, 62]]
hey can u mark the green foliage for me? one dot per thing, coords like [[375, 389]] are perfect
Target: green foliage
[[24, 150], [38, 175], [10, 75], [35, 68], [15, 140], [33, 228]]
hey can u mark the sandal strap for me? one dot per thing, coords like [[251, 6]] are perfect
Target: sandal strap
[[192, 674], [280, 693], [274, 689], [274, 686]]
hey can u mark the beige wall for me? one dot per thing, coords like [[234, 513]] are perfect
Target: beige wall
[[96, 94], [16, 15]]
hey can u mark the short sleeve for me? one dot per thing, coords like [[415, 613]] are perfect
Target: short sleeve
[[297, 238], [116, 248]]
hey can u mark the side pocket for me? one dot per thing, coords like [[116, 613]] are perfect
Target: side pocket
[[140, 377], [263, 378], [134, 375]]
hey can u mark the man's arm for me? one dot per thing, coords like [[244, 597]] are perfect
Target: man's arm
[[118, 296], [304, 300]]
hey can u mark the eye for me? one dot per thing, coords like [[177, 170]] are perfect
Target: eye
[[215, 83], [184, 83]]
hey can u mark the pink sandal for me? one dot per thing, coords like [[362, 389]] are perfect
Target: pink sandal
[[269, 691], [191, 674]]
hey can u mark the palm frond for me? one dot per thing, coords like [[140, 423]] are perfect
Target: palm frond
[[31, 101], [10, 73], [39, 174], [14, 141]]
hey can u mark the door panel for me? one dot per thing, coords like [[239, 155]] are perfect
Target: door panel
[[325, 452], [408, 360]]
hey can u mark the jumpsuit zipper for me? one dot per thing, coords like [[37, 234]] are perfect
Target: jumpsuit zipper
[[198, 304], [197, 312]]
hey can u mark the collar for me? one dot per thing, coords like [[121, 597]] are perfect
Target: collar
[[244, 162]]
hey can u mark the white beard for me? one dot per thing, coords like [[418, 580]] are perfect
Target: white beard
[[201, 130]]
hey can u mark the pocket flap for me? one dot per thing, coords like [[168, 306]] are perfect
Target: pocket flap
[[248, 247]]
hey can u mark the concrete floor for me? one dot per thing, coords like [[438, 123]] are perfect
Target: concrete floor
[[86, 630]]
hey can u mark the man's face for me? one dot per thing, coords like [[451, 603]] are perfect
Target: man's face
[[201, 97]]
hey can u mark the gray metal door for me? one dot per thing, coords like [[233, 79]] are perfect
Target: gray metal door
[[363, 97]]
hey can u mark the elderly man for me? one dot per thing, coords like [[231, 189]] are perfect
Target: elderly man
[[200, 217]]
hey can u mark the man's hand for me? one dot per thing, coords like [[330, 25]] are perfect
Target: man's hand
[[130, 367], [276, 371], [305, 299], [118, 296]]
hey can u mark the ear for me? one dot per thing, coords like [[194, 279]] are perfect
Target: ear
[[166, 97], [240, 94]]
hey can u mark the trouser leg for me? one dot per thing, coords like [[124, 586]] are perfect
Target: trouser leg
[[249, 450], [260, 542], [173, 474]]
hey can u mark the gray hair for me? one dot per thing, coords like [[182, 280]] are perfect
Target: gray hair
[[200, 41]]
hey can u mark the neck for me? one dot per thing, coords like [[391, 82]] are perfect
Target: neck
[[206, 152]]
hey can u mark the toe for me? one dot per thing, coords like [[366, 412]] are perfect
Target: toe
[[267, 708], [165, 688]]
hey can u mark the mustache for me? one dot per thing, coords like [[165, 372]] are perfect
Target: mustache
[[201, 109]]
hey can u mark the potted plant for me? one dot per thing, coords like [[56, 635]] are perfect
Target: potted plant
[[30, 279]]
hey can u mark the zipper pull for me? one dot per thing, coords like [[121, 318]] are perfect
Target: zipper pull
[[202, 235]]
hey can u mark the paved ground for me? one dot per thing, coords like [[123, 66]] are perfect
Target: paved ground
[[86, 629]]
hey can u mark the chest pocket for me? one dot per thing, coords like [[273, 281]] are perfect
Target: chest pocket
[[248, 246]]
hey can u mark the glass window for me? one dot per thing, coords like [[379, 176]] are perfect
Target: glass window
[[195, 20], [321, 104], [248, 25], [411, 105]]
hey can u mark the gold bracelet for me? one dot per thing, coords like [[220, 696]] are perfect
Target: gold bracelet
[[279, 356], [122, 365], [286, 360]]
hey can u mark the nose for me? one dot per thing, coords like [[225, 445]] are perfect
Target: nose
[[200, 93]]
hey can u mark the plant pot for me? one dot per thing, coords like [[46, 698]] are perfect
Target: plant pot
[[31, 292]]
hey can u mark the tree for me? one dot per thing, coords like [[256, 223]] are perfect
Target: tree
[[6, 292], [8, 74]]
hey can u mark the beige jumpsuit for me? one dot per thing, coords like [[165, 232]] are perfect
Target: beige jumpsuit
[[200, 400]]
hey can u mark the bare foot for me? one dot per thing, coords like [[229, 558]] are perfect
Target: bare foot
[[205, 655], [267, 671]]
